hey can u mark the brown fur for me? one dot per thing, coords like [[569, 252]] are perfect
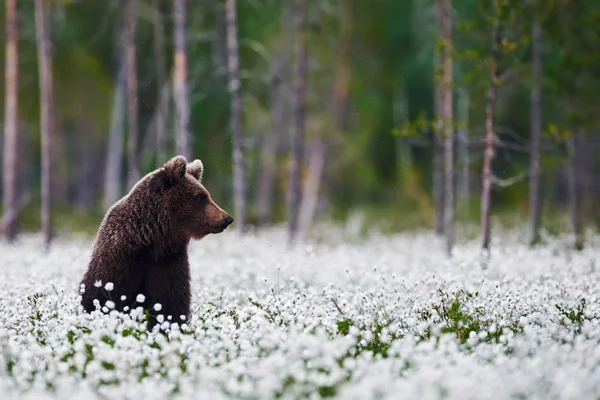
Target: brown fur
[[141, 246]]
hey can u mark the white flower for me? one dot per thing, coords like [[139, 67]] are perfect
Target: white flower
[[157, 307], [109, 286], [140, 298], [98, 283], [110, 304], [252, 349], [123, 298]]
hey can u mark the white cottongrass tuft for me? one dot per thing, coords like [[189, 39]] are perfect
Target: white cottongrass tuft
[[371, 319], [140, 298], [109, 286]]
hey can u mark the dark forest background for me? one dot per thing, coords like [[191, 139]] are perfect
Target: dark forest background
[[420, 114]]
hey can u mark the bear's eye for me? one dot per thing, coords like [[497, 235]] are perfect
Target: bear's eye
[[202, 197]]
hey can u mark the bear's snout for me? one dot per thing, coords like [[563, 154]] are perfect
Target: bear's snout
[[223, 224]]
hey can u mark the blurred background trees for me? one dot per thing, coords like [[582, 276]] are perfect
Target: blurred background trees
[[419, 114]]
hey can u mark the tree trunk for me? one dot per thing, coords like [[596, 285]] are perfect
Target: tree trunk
[[448, 113], [341, 91], [239, 170], [321, 150], [438, 154], [301, 67], [535, 197], [310, 194], [85, 159], [488, 177], [271, 143], [279, 105], [180, 83], [47, 115], [463, 151], [10, 160], [573, 187], [116, 135], [161, 76], [133, 165], [153, 143]]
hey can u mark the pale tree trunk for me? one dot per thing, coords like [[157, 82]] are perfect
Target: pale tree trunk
[[161, 76], [463, 151], [300, 69], [271, 142], [573, 187], [269, 156], [438, 154], [341, 90], [47, 115], [320, 150], [310, 194], [116, 135], [154, 143], [10, 160], [403, 149], [535, 197], [488, 176], [86, 171], [239, 170], [279, 111], [448, 117], [180, 81], [133, 165]]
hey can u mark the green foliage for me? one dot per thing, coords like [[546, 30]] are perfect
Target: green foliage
[[390, 53], [574, 318], [459, 320]]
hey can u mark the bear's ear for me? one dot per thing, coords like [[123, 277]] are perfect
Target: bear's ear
[[195, 168], [171, 173], [175, 167]]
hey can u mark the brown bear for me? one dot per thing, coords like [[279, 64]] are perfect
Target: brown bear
[[141, 245]]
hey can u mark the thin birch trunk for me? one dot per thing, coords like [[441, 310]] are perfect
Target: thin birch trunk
[[180, 81], [86, 172], [573, 187], [133, 165], [116, 136], [463, 151], [320, 151], [448, 113], [47, 116], [270, 146], [161, 76], [535, 197], [342, 85], [239, 170], [403, 148], [438, 153], [11, 138], [279, 105], [301, 67], [310, 194], [153, 142], [488, 177]]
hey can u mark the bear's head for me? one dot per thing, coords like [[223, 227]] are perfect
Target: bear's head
[[189, 207]]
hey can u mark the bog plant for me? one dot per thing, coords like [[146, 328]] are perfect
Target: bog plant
[[371, 319]]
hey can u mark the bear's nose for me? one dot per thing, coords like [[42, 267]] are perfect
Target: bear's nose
[[228, 220]]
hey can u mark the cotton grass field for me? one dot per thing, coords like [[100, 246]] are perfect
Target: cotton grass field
[[383, 317]]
